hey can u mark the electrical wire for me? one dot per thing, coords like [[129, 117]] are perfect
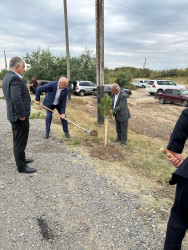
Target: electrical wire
[[150, 13], [140, 21]]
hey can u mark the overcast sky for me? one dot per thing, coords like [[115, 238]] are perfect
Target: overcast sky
[[134, 30]]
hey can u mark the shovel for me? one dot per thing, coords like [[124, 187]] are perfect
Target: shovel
[[88, 132]]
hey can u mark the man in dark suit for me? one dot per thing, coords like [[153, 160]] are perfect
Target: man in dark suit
[[178, 221], [56, 98], [121, 113], [18, 110]]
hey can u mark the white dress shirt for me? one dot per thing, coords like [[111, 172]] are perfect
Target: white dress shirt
[[115, 99], [57, 95]]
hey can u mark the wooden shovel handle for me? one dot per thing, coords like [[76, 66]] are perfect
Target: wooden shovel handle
[[53, 111], [62, 118]]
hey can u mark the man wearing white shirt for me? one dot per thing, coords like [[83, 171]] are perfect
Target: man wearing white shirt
[[121, 113], [56, 98]]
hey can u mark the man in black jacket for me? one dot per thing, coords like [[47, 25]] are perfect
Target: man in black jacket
[[18, 110], [178, 221]]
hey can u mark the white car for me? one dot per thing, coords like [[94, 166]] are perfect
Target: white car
[[157, 86], [140, 83], [83, 87]]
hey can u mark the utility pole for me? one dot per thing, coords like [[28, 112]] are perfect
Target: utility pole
[[67, 47], [5, 60], [144, 66], [99, 6]]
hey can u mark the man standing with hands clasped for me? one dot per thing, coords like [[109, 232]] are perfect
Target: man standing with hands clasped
[[18, 110], [56, 98], [178, 221], [121, 113]]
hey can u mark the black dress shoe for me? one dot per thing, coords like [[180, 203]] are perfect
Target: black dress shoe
[[67, 135], [28, 161], [27, 170], [46, 136]]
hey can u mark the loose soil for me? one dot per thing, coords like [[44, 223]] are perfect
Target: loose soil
[[151, 118]]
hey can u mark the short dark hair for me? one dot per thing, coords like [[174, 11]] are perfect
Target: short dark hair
[[15, 60]]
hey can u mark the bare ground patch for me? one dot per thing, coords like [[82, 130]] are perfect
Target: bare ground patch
[[108, 153]]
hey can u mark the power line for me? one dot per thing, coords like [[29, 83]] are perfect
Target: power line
[[151, 13], [154, 16], [140, 21]]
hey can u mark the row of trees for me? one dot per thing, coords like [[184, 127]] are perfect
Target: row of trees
[[44, 65], [147, 73], [2, 73]]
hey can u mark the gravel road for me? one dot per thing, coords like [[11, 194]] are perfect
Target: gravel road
[[66, 204]]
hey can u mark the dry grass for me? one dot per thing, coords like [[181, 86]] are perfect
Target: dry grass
[[141, 154], [179, 80]]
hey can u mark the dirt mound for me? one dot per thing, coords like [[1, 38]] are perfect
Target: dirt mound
[[106, 153]]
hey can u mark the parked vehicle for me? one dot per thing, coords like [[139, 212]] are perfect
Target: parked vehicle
[[179, 96], [156, 86], [83, 87], [140, 83], [108, 90], [39, 83]]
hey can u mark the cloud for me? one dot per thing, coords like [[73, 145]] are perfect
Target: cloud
[[133, 30]]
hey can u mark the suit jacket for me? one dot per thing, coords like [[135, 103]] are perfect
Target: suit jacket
[[176, 144], [17, 97], [121, 109], [51, 89]]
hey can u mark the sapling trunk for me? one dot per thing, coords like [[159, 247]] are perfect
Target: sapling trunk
[[106, 130], [105, 107]]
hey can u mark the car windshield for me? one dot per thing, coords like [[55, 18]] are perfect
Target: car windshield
[[184, 92], [150, 82], [106, 87]]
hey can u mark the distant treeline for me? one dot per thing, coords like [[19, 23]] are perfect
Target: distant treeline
[[147, 73], [44, 65]]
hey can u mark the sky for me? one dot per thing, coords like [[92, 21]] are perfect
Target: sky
[[135, 31]]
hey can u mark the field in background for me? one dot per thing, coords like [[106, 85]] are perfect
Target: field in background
[[180, 80]]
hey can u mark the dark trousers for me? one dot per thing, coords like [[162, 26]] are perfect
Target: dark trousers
[[49, 119], [121, 129], [20, 131], [178, 221]]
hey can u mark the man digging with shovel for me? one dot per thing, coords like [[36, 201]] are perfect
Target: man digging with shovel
[[56, 98]]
